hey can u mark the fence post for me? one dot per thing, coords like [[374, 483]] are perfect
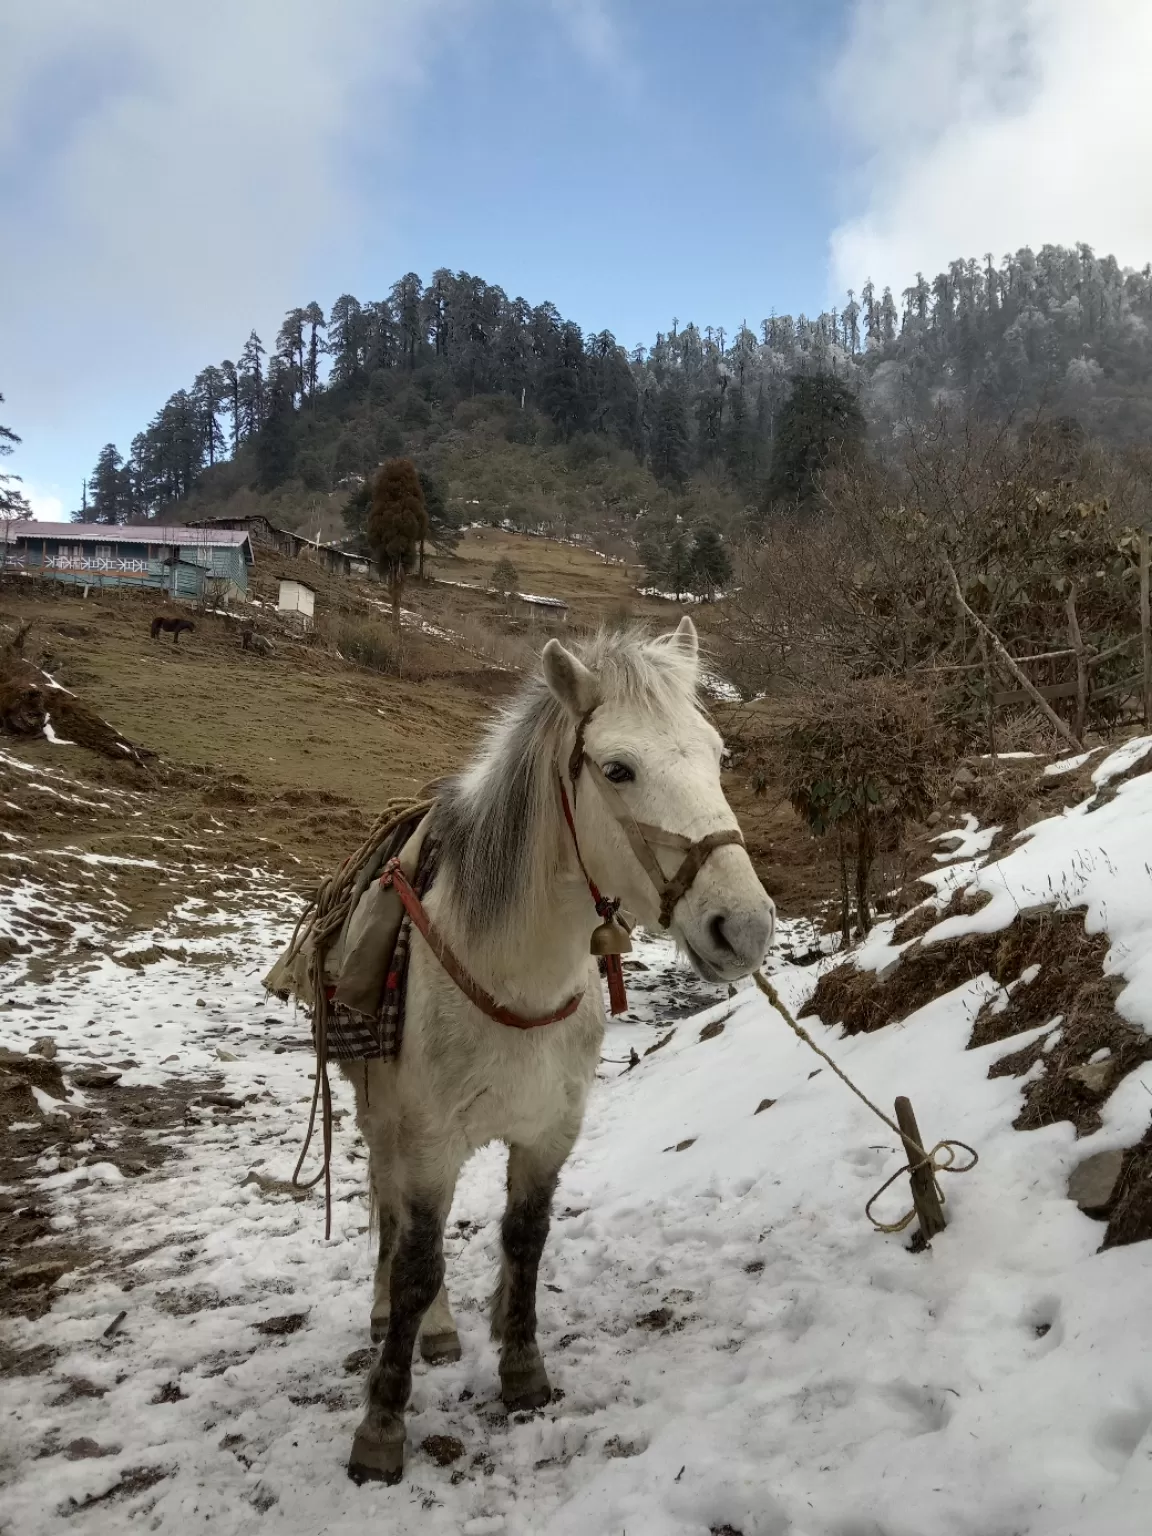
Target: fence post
[[1145, 627], [1081, 662], [925, 1195]]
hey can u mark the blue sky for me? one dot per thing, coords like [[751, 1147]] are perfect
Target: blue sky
[[172, 175]]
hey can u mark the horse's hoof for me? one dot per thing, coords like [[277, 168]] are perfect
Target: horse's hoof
[[440, 1348], [376, 1461], [523, 1390], [379, 1329]]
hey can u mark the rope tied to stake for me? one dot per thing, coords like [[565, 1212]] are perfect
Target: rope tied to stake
[[934, 1159]]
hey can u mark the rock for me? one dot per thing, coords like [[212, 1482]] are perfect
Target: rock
[[710, 1031], [276, 1327], [963, 775], [45, 1048], [81, 1450], [95, 1077], [31, 1277], [763, 1104], [66, 1164], [1093, 1076], [1093, 1183], [223, 1055], [200, 1003], [934, 819]]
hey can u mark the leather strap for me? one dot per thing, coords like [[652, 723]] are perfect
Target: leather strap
[[691, 867], [395, 877], [641, 836]]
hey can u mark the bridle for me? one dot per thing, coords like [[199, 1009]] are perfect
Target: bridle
[[642, 837], [611, 939]]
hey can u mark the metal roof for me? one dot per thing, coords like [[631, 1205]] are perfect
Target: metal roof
[[181, 535]]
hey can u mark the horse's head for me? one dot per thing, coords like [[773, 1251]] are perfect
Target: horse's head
[[643, 781]]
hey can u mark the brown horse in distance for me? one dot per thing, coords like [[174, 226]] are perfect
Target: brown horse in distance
[[173, 627]]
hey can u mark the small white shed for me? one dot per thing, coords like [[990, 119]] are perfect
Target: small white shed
[[296, 599]]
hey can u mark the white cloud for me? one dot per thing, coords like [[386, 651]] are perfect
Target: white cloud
[[169, 171], [47, 506], [985, 125]]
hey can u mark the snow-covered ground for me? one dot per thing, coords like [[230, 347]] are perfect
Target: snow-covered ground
[[738, 1350]]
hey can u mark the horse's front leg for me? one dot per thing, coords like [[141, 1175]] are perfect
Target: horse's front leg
[[417, 1273], [533, 1172]]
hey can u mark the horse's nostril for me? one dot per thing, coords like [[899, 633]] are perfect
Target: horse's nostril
[[718, 936]]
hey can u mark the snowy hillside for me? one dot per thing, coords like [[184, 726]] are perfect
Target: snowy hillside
[[738, 1350]]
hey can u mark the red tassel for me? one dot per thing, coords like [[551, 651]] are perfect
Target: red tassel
[[617, 996]]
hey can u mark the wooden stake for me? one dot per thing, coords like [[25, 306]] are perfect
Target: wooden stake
[[1081, 663], [1001, 652], [1145, 627], [925, 1196]]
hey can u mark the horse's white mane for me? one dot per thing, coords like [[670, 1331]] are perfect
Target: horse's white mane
[[498, 823]]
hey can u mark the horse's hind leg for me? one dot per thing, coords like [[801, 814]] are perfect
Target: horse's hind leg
[[416, 1275], [532, 1175], [439, 1341]]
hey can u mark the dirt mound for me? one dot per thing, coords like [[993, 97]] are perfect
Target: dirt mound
[[32, 705]]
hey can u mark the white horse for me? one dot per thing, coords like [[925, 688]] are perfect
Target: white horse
[[614, 736]]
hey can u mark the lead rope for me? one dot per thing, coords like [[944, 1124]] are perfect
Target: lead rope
[[319, 923], [932, 1159]]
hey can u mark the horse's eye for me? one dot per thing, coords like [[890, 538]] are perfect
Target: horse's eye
[[618, 773]]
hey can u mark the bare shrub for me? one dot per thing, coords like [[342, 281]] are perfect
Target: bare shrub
[[862, 761], [364, 641], [1034, 518]]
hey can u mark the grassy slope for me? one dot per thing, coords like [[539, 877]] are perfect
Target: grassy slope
[[302, 720]]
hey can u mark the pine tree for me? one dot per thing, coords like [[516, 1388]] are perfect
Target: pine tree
[[397, 522], [276, 444], [443, 525], [251, 373], [314, 320], [505, 578], [670, 438], [711, 568], [820, 419], [106, 486], [13, 502], [211, 393]]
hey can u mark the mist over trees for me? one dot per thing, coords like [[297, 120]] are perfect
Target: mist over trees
[[752, 413]]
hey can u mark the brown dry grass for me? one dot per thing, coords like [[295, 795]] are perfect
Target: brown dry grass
[[1131, 1217]]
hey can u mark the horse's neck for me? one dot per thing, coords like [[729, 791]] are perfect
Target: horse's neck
[[539, 956]]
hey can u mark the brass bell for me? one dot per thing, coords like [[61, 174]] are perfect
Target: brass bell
[[610, 939]]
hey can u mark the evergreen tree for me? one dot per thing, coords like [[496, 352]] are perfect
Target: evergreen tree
[[397, 523], [108, 487], [505, 579], [231, 380], [211, 395], [314, 319], [443, 525], [251, 373], [821, 418], [711, 568], [670, 438], [347, 334], [276, 444], [13, 502]]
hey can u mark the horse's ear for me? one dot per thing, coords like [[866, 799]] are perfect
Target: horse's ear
[[569, 679], [685, 637]]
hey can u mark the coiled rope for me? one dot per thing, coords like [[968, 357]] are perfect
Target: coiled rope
[[941, 1158]]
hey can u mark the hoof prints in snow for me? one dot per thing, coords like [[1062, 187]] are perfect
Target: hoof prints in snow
[[737, 1350]]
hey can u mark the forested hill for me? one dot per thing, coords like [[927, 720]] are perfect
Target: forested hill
[[514, 408]]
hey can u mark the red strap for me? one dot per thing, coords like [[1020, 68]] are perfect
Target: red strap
[[395, 877]]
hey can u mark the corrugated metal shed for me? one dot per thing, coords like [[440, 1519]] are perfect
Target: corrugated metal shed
[[176, 559]]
